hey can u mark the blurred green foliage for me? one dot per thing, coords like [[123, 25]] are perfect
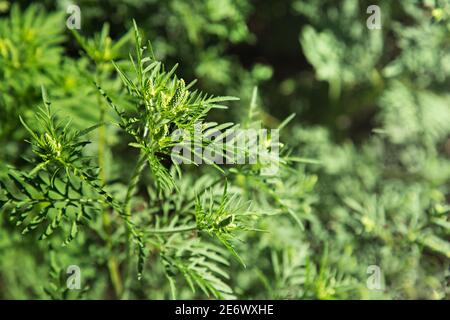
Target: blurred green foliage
[[372, 109]]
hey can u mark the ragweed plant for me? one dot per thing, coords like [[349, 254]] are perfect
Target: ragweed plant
[[30, 52], [362, 171], [64, 193], [52, 193], [162, 104]]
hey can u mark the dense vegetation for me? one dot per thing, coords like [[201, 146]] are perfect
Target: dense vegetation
[[86, 176]]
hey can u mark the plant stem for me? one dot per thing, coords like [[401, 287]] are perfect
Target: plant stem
[[113, 265], [140, 165], [173, 230]]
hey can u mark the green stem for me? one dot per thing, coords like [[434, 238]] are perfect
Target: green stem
[[113, 265], [172, 230], [140, 165]]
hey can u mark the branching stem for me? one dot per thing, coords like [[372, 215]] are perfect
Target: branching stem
[[172, 230], [140, 165], [113, 265]]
